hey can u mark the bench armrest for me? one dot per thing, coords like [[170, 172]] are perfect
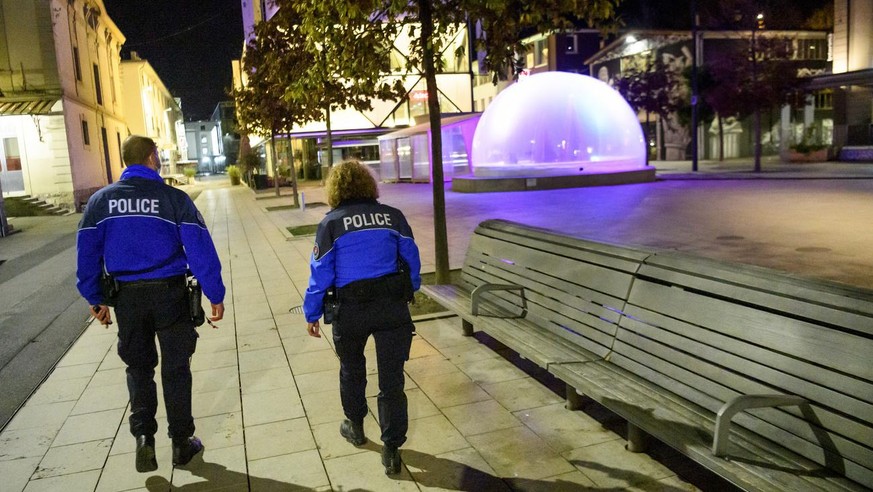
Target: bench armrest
[[738, 404], [478, 291]]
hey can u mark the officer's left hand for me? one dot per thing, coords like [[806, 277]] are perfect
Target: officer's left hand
[[313, 329]]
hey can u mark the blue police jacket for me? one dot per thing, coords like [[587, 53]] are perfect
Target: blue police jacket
[[141, 228], [359, 239]]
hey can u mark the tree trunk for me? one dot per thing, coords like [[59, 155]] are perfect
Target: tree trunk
[[757, 140], [275, 161], [329, 138], [720, 138], [290, 153], [441, 243]]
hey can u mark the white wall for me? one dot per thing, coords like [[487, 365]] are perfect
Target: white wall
[[43, 144]]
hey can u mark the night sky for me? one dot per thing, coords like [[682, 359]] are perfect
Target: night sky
[[190, 44]]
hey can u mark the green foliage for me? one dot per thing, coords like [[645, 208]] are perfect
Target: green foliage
[[811, 142], [233, 171], [190, 172], [250, 163], [653, 89]]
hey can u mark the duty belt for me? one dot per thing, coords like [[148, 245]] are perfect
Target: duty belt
[[168, 281], [371, 289]]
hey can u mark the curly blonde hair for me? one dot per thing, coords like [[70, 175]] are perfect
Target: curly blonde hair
[[350, 180]]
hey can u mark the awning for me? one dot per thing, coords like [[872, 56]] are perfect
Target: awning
[[16, 107], [832, 80], [425, 127]]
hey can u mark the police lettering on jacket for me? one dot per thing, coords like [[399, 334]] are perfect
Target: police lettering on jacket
[[359, 239], [139, 228]]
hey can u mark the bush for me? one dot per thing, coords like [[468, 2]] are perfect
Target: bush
[[234, 174], [189, 172]]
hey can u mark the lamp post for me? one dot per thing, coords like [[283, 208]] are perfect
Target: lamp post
[[4, 226]]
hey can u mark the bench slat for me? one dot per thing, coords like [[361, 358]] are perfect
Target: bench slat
[[688, 428]]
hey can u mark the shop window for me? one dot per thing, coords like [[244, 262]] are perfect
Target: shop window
[[571, 44], [12, 154]]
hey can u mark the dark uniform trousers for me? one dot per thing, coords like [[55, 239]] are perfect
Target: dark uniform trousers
[[145, 309], [389, 322]]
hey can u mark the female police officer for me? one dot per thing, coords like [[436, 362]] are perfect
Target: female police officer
[[148, 234], [359, 249]]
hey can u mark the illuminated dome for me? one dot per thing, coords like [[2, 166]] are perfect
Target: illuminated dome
[[557, 123]]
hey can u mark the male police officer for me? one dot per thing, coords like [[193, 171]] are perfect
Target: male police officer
[[147, 235]]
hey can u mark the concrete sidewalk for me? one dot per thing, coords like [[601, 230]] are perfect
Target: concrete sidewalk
[[266, 401]]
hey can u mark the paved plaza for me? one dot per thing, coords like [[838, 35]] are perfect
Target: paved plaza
[[266, 397]]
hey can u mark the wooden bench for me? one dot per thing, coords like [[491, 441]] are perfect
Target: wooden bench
[[761, 377]]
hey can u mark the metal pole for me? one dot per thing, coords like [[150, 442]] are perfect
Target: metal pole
[[694, 94], [4, 225]]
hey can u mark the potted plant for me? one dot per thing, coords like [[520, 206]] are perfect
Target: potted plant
[[234, 174], [190, 172]]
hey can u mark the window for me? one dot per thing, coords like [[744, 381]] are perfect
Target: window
[[76, 66], [541, 52], [571, 46], [824, 99], [86, 137], [97, 87], [12, 154], [812, 49]]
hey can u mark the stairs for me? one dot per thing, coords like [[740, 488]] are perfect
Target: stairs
[[28, 206]]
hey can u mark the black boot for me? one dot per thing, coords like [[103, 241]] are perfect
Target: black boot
[[391, 459], [145, 454], [354, 433], [185, 449]]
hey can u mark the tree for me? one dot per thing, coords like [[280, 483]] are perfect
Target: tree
[[261, 104], [652, 89], [504, 23], [349, 45]]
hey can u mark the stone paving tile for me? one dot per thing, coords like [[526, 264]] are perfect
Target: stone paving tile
[[567, 482], [332, 445], [89, 427], [215, 379], [521, 394], [609, 464], [66, 460], [289, 472], [259, 360], [565, 430], [74, 372], [278, 438], [466, 353], [270, 379], [77, 481], [271, 406], [16, 473], [480, 417], [434, 435], [215, 403], [51, 415], [418, 404], [323, 407], [119, 473], [444, 332], [315, 382], [213, 360], [448, 390], [258, 341], [349, 472], [317, 361], [491, 370], [26, 443], [463, 469], [420, 348], [214, 469], [220, 431], [53, 391], [518, 452], [433, 365], [97, 399], [108, 377]]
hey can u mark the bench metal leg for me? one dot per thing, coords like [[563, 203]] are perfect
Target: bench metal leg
[[574, 399], [467, 327], [742, 403], [636, 439]]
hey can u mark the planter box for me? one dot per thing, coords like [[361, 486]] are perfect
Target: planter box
[[813, 156]]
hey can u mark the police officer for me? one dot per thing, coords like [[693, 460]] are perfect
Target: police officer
[[147, 235], [366, 252]]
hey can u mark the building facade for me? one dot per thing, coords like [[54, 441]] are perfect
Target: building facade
[[151, 110], [61, 114]]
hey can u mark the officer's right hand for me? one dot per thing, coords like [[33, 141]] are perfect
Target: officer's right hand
[[313, 329], [101, 314], [217, 312]]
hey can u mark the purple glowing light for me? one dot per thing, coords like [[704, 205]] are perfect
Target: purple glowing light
[[557, 123]]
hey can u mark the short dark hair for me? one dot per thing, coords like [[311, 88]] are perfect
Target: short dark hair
[[137, 149]]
